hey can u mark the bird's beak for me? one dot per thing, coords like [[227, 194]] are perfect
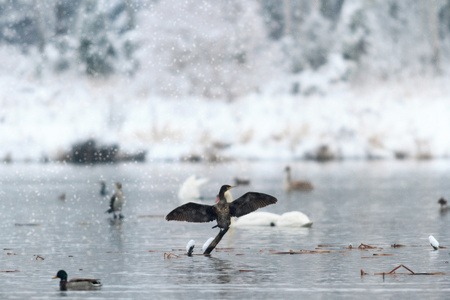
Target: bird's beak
[[217, 199], [231, 187], [55, 277]]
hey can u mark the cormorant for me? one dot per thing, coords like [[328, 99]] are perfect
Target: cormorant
[[222, 211]]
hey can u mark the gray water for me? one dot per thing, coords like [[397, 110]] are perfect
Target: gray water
[[377, 203]]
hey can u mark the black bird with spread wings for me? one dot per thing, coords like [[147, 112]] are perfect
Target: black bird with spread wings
[[222, 211]]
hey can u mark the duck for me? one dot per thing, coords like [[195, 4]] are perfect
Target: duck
[[443, 203], [190, 189], [296, 185], [287, 219], [103, 191], [116, 202], [241, 181], [223, 210], [76, 283]]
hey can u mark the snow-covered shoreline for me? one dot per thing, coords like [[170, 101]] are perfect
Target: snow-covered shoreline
[[385, 121]]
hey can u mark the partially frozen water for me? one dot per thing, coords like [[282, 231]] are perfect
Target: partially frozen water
[[377, 203]]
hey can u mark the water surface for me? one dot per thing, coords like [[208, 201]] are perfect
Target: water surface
[[379, 203]]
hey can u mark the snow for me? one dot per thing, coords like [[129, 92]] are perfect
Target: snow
[[47, 117], [218, 81]]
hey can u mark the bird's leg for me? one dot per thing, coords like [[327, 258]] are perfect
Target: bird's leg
[[121, 216], [115, 217], [215, 227]]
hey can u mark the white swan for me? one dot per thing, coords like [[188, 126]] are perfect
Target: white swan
[[257, 219], [294, 219], [190, 189], [288, 219]]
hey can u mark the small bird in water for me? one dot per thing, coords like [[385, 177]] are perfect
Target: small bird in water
[[297, 185], [433, 242], [116, 202], [103, 191], [76, 283], [241, 181], [222, 211], [443, 203]]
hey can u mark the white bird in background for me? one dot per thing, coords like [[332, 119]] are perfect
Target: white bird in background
[[294, 219], [190, 247], [207, 243], [288, 219], [190, 189], [433, 242]]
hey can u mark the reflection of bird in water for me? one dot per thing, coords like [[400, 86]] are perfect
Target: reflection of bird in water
[[103, 191], [190, 189], [222, 211], [433, 242], [241, 181], [297, 185], [443, 203], [76, 283], [288, 219], [116, 202]]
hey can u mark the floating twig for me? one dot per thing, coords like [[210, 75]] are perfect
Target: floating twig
[[170, 255], [365, 246], [9, 271], [411, 272]]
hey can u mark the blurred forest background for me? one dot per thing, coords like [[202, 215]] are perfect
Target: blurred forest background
[[254, 79], [226, 49]]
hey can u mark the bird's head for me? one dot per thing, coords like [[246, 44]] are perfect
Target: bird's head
[[287, 169], [225, 188], [61, 274], [118, 185]]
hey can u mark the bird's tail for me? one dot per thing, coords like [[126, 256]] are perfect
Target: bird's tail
[[109, 211]]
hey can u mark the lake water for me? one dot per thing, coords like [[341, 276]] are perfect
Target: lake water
[[378, 203]]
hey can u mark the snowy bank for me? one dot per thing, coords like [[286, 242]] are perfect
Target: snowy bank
[[384, 121]]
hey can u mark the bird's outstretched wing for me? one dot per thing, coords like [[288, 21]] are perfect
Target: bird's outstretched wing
[[249, 202], [192, 212]]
